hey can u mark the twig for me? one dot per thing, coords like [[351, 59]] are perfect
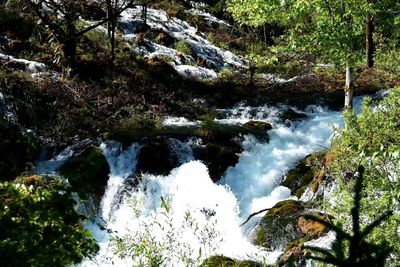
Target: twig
[[254, 214]]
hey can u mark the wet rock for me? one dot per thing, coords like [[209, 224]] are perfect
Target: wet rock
[[217, 261], [312, 229], [218, 158], [156, 157], [201, 62], [17, 150], [294, 255], [280, 225], [258, 125], [87, 172], [299, 178], [165, 39], [307, 172], [291, 115]]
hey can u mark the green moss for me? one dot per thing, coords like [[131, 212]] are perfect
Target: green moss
[[223, 261], [260, 238], [183, 48], [258, 125], [301, 191], [87, 173], [279, 225], [302, 175]]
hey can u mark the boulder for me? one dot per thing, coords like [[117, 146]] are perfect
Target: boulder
[[16, 46], [294, 255], [218, 261], [165, 39], [87, 173], [218, 158], [310, 171], [156, 157], [280, 225], [312, 229], [258, 125], [291, 115], [298, 178]]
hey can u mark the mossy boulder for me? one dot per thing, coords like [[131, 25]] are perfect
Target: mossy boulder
[[222, 261], [258, 125], [87, 173], [218, 157], [294, 255], [280, 225], [17, 150], [156, 157], [291, 115], [306, 172], [311, 228], [298, 178], [164, 38]]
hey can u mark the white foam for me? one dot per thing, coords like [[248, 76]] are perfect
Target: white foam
[[178, 121], [32, 66]]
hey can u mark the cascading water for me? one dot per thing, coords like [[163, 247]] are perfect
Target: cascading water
[[183, 218], [122, 164]]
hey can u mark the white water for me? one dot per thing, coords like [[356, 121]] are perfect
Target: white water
[[7, 109], [185, 65], [183, 216], [52, 165], [32, 66]]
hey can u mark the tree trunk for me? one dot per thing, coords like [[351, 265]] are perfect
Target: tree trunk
[[369, 41], [69, 51], [348, 88], [109, 17], [114, 26], [144, 12]]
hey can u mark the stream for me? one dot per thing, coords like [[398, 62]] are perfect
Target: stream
[[184, 218]]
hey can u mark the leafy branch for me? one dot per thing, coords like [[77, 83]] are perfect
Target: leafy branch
[[359, 251]]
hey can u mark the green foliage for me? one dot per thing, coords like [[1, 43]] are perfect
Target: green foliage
[[93, 42], [371, 139], [333, 31], [140, 120], [184, 48], [39, 226], [222, 261], [227, 74], [353, 249], [208, 121], [388, 55], [160, 239]]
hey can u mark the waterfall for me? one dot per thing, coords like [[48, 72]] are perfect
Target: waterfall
[[184, 217]]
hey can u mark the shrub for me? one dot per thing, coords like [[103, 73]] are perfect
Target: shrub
[[39, 225], [184, 48], [353, 249], [372, 140]]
